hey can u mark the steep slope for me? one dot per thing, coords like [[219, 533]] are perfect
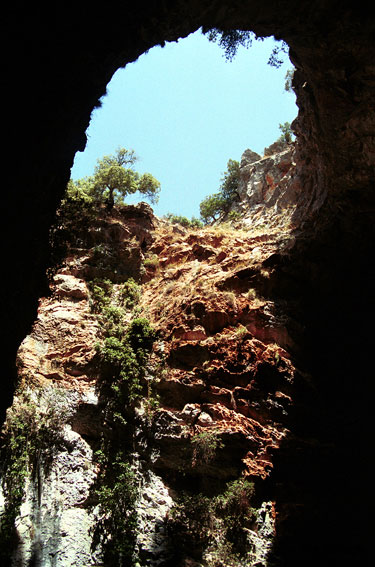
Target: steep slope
[[138, 431]]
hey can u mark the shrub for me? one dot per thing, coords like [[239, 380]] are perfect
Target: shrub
[[140, 336], [31, 435], [214, 528], [220, 554], [234, 216], [100, 294], [117, 494], [184, 221], [191, 522], [234, 507], [124, 356], [205, 445], [287, 135], [74, 217], [112, 319], [130, 293], [151, 262]]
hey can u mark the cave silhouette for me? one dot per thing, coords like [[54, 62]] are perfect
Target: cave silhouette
[[57, 63]]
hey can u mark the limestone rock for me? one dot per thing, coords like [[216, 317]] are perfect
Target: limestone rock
[[54, 521], [61, 345], [153, 508], [221, 374], [70, 287], [249, 157], [269, 189]]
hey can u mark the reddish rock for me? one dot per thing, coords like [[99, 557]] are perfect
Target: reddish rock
[[226, 346]]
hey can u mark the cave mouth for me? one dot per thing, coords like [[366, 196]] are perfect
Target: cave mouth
[[333, 50], [186, 110]]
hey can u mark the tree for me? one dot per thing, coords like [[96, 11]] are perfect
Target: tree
[[231, 40], [230, 182], [213, 206], [276, 58], [286, 133], [114, 178]]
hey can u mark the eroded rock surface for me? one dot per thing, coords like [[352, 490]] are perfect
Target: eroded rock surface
[[222, 366]]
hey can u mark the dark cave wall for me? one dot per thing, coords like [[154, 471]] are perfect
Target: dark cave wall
[[57, 63]]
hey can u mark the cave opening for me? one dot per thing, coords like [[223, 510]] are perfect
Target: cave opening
[[186, 110], [334, 49]]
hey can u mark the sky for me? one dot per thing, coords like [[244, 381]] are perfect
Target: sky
[[185, 111]]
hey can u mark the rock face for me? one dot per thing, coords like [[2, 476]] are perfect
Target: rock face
[[54, 525], [57, 364], [270, 189], [222, 371]]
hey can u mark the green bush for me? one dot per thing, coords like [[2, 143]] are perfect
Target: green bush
[[214, 528], [31, 436], [234, 216], [123, 354], [220, 554], [126, 371], [117, 494], [287, 135], [74, 217], [184, 221], [205, 445], [141, 336], [130, 293], [234, 507], [100, 294], [152, 262], [191, 523], [112, 320]]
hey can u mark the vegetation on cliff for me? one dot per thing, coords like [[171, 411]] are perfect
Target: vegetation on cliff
[[179, 369], [114, 178], [218, 204], [219, 207], [214, 528], [123, 353], [30, 438], [231, 40]]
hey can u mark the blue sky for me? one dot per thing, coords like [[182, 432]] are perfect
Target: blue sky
[[185, 111]]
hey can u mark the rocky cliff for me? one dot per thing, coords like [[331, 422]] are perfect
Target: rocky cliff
[[190, 423]]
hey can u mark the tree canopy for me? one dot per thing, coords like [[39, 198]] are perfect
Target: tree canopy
[[217, 204], [231, 40], [287, 135], [114, 178]]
